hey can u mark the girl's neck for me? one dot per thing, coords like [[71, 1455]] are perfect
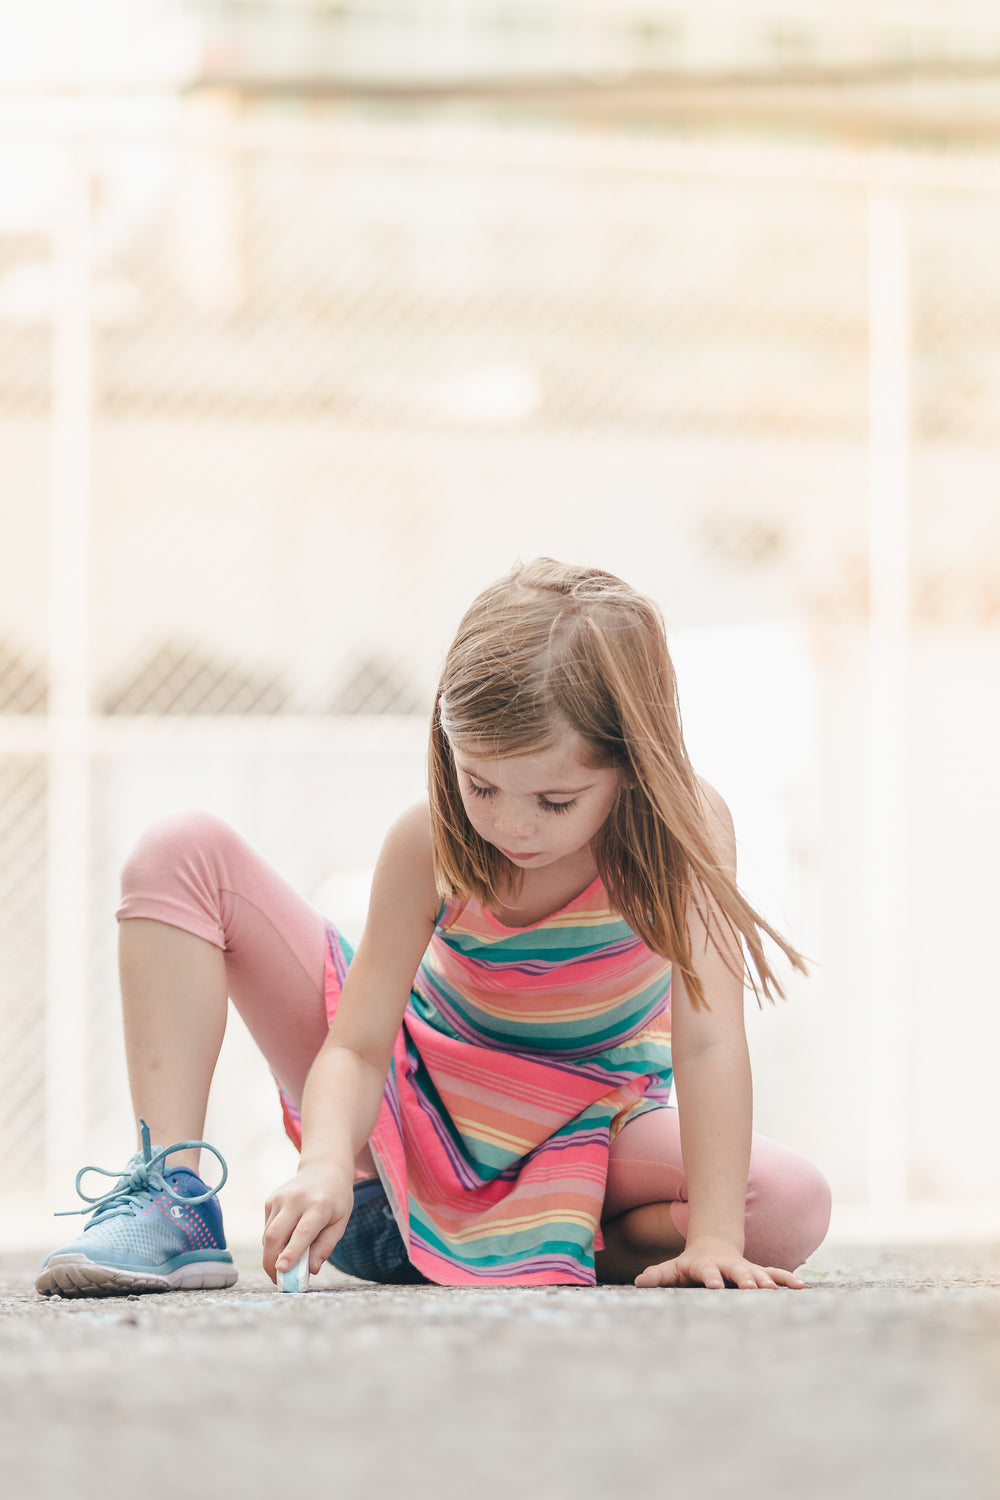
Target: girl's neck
[[545, 891]]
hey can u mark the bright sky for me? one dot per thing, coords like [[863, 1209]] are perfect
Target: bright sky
[[58, 43], [53, 43]]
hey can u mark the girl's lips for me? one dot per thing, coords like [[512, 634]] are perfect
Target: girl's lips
[[511, 855]]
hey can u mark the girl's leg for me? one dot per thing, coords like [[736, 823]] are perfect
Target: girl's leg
[[645, 1204], [204, 916]]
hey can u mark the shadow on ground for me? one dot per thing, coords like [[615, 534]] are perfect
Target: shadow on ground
[[882, 1379]]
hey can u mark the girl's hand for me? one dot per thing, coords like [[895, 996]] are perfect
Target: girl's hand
[[711, 1263], [310, 1210]]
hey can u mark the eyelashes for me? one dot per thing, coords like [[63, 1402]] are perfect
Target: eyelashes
[[486, 792]]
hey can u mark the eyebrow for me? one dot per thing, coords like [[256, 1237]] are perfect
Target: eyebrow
[[552, 792]]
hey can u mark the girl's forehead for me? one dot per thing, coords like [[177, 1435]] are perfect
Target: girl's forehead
[[566, 757]]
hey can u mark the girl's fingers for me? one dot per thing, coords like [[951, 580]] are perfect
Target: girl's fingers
[[275, 1257], [287, 1238], [750, 1278], [276, 1233], [713, 1276], [786, 1278], [298, 1242], [325, 1243], [662, 1275]]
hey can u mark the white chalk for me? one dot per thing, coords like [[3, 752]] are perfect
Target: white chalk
[[297, 1278]]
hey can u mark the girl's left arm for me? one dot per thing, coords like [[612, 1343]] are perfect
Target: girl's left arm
[[715, 1098]]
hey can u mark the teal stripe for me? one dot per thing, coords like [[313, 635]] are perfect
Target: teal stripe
[[523, 1033], [504, 1248], [565, 945]]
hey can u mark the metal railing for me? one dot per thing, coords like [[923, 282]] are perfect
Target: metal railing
[[275, 400]]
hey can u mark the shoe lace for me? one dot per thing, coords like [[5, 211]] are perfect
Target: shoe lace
[[139, 1179]]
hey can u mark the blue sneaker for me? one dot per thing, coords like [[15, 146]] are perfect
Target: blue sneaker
[[154, 1231]]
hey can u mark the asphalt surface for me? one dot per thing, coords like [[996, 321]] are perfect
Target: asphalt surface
[[882, 1379]]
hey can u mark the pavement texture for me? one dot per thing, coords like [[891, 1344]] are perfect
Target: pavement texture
[[882, 1379]]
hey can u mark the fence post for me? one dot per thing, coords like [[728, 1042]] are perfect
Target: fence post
[[68, 862], [888, 696]]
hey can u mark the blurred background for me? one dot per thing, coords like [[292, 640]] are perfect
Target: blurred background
[[314, 317]]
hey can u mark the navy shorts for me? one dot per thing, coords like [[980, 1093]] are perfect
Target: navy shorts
[[372, 1247]]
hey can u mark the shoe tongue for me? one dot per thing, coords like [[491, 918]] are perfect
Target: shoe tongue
[[181, 1179], [185, 1182], [185, 1176]]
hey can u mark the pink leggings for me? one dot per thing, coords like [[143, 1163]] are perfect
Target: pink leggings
[[192, 871]]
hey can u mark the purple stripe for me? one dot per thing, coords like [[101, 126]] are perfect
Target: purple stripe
[[564, 1061], [461, 1168], [465, 1173], [545, 966], [447, 1011], [563, 1142], [336, 953], [616, 949], [558, 1263]]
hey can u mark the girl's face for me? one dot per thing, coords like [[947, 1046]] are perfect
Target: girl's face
[[537, 809]]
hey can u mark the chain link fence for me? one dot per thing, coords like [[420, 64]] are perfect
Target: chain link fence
[[318, 384]]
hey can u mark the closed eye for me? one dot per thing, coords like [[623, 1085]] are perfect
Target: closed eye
[[485, 792]]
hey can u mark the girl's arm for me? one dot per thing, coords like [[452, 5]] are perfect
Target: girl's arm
[[343, 1091], [714, 1092]]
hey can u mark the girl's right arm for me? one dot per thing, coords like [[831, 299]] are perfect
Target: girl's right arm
[[343, 1092]]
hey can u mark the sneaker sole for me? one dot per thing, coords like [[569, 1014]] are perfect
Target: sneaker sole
[[76, 1276]]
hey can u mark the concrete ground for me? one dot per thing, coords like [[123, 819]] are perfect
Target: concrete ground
[[882, 1379]]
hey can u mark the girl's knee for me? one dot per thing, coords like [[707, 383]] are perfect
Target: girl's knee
[[788, 1210], [172, 843]]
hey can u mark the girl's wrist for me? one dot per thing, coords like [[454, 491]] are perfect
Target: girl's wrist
[[336, 1159], [716, 1238]]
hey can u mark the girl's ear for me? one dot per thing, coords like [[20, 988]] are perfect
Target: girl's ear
[[626, 780]]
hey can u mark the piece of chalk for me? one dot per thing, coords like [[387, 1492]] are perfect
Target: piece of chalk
[[296, 1279]]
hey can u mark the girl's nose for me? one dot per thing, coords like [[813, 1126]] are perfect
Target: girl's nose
[[511, 821]]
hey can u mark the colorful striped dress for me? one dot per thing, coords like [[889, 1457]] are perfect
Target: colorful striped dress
[[522, 1053]]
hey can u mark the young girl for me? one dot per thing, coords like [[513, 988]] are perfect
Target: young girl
[[479, 1091]]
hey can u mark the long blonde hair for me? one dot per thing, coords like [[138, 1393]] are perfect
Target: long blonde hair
[[553, 647]]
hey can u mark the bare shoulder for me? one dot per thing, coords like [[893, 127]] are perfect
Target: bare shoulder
[[406, 861], [411, 831], [401, 914], [716, 804], [720, 819]]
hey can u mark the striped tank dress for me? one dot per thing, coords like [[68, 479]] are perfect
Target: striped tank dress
[[522, 1053]]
